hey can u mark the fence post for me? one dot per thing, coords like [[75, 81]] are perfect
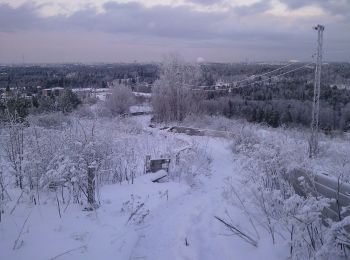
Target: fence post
[[148, 164]]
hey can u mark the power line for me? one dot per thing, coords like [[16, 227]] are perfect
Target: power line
[[276, 76], [255, 76], [263, 80]]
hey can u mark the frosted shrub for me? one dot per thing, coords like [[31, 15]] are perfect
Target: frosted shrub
[[84, 111], [4, 196], [245, 141], [81, 150], [127, 164], [51, 120], [190, 163], [120, 100], [336, 240], [270, 200], [303, 220]]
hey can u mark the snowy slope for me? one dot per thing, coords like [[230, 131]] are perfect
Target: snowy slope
[[103, 234], [190, 217], [179, 221]]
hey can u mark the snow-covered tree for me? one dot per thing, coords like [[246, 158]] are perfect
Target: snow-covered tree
[[172, 95], [119, 100]]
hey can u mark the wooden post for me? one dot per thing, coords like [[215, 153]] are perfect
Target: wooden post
[[177, 161], [148, 164], [91, 186]]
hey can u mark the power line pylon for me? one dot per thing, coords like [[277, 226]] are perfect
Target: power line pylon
[[313, 143]]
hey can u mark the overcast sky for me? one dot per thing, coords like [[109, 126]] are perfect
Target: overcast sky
[[145, 30]]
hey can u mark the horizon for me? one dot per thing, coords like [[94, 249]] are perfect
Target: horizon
[[277, 62]]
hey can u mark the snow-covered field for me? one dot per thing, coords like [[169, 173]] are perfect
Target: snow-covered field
[[168, 220], [102, 234]]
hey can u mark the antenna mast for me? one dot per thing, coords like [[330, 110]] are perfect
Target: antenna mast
[[313, 144]]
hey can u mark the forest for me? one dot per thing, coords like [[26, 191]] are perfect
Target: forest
[[286, 100]]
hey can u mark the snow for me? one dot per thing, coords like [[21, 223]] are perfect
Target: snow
[[140, 108], [177, 213], [142, 94], [190, 217], [102, 234], [177, 220]]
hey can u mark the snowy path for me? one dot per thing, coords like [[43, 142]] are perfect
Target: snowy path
[[186, 228], [183, 227], [191, 218]]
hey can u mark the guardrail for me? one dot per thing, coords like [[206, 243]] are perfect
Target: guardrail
[[305, 183]]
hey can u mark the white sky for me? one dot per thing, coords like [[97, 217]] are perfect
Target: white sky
[[217, 30]]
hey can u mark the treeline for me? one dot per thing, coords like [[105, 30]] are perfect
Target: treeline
[[285, 103], [275, 101], [74, 75], [22, 107], [80, 75], [229, 72]]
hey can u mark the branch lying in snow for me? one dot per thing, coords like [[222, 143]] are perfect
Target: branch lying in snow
[[68, 251], [58, 206], [14, 207], [15, 245], [238, 232], [135, 212]]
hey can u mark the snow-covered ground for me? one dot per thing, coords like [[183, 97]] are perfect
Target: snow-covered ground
[[102, 234], [140, 108], [176, 222], [186, 227], [333, 159], [168, 220]]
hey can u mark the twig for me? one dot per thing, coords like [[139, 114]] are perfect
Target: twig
[[14, 207], [58, 206], [21, 231], [238, 232], [67, 205], [245, 209], [68, 251], [135, 212]]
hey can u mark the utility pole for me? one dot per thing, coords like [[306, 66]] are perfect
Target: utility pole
[[313, 143]]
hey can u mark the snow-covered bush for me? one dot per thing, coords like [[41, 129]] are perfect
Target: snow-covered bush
[[303, 220], [337, 240], [268, 198], [190, 163], [56, 152], [245, 140], [120, 100], [84, 111], [4, 196], [127, 163], [50, 120]]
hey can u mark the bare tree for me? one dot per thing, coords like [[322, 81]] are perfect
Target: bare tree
[[173, 96]]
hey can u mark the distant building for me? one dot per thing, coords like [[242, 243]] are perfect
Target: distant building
[[48, 92], [83, 93], [340, 86]]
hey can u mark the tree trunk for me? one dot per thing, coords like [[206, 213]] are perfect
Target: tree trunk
[[91, 186]]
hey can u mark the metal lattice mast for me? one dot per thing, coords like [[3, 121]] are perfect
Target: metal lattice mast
[[317, 89]]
